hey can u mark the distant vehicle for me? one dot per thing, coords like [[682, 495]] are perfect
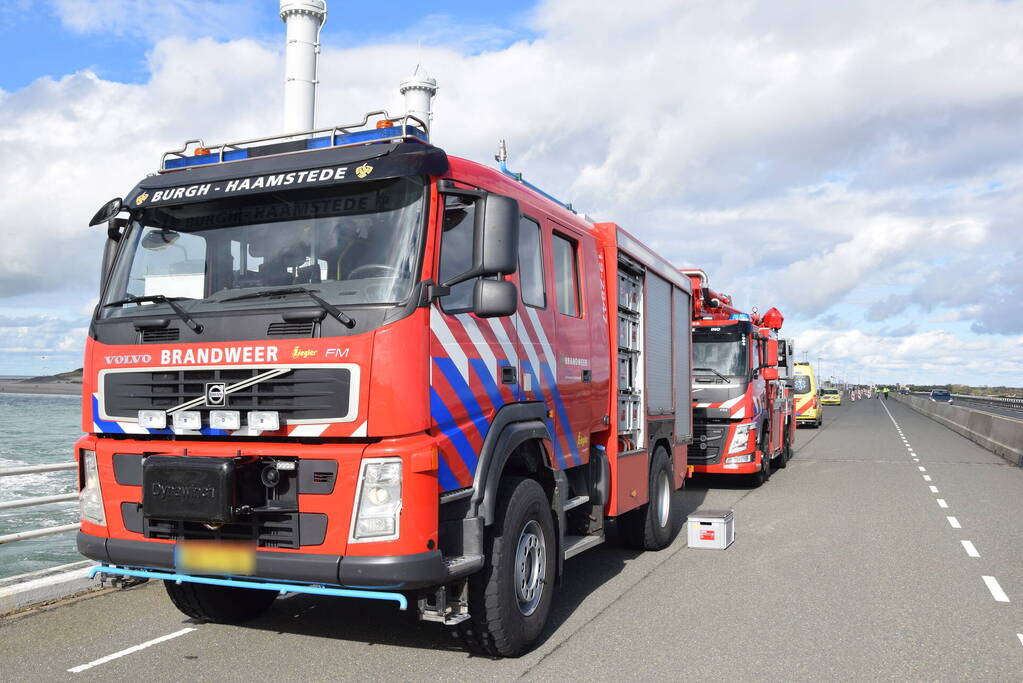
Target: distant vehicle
[[831, 397], [941, 396], [808, 406], [904, 390]]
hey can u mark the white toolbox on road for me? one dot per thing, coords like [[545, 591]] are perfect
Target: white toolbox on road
[[711, 529]]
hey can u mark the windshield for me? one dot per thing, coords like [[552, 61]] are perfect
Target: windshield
[[831, 392], [354, 244], [719, 352], [940, 392], [801, 384]]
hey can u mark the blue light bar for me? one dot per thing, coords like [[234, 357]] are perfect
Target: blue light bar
[[325, 142], [518, 178], [740, 316], [246, 583]]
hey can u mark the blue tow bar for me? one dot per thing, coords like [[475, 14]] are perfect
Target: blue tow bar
[[260, 585]]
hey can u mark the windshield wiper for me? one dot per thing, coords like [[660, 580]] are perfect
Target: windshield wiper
[[725, 379], [161, 299], [336, 312]]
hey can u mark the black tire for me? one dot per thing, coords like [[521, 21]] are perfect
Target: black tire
[[220, 604], [782, 460], [505, 622], [650, 526], [764, 475]]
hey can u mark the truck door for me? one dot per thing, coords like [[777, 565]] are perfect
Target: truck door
[[560, 334]]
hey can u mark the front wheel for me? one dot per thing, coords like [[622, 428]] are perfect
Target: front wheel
[[510, 598], [220, 604], [650, 526]]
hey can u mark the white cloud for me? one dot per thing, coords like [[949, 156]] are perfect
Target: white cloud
[[806, 154], [158, 18]]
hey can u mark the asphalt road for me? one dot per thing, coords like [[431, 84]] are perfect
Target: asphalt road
[[845, 566]]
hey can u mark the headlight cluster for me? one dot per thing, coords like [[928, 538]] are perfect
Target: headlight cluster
[[379, 500], [740, 439], [90, 500]]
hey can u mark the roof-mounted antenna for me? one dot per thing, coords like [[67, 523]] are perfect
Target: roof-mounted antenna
[[502, 157]]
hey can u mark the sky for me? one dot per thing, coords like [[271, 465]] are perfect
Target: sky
[[856, 165]]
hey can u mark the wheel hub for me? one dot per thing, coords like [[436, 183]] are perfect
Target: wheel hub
[[530, 567]]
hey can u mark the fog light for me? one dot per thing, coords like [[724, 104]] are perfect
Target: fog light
[[188, 419], [749, 457], [225, 419], [267, 420], [153, 419]]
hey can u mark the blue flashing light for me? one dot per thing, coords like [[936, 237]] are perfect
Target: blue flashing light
[[325, 142], [740, 316]]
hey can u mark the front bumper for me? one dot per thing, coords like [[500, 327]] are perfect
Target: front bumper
[[399, 572]]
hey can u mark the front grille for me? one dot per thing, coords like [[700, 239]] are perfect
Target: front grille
[[153, 335], [707, 443], [301, 394], [269, 530]]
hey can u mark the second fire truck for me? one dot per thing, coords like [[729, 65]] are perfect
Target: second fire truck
[[742, 407]]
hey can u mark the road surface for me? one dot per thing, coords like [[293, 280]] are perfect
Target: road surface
[[890, 548]]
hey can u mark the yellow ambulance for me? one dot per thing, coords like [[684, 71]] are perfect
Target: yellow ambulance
[[808, 403]]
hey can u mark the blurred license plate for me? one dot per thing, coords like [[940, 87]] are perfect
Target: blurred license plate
[[215, 557]]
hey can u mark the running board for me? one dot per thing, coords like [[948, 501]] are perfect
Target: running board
[[576, 544], [576, 502]]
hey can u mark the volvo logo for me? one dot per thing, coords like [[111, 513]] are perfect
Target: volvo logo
[[216, 394]]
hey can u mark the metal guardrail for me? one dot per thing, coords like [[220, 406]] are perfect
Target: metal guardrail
[[998, 401], [38, 500]]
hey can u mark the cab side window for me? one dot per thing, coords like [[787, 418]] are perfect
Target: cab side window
[[531, 264], [456, 251], [566, 275]]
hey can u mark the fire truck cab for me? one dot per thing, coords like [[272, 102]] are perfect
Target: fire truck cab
[[742, 406]]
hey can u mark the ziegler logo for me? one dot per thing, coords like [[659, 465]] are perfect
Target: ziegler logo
[[302, 353], [141, 198], [216, 394], [128, 360]]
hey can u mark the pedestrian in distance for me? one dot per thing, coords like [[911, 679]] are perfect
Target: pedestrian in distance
[[886, 393]]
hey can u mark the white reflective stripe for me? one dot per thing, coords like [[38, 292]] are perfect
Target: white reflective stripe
[[447, 340], [542, 336], [308, 430], [502, 338], [360, 430], [741, 412], [132, 428], [731, 402], [527, 344], [481, 343], [703, 405]]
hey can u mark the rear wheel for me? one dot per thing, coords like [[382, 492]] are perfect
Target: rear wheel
[[220, 604], [649, 527], [509, 600]]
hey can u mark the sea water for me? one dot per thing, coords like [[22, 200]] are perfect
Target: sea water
[[38, 430]]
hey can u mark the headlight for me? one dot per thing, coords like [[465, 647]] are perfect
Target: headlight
[[90, 500], [749, 457], [378, 502], [740, 439]]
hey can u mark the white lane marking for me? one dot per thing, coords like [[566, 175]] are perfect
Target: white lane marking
[[922, 468], [942, 503], [934, 489], [954, 523], [970, 549], [103, 660], [996, 591], [927, 477], [1020, 636]]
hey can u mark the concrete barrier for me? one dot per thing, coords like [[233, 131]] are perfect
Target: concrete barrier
[[23, 591], [1001, 435]]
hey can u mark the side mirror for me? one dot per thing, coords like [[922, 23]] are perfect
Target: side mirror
[[769, 373], [107, 211], [495, 248], [494, 298]]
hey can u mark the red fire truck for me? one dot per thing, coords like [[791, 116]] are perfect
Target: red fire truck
[[742, 409], [345, 363]]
